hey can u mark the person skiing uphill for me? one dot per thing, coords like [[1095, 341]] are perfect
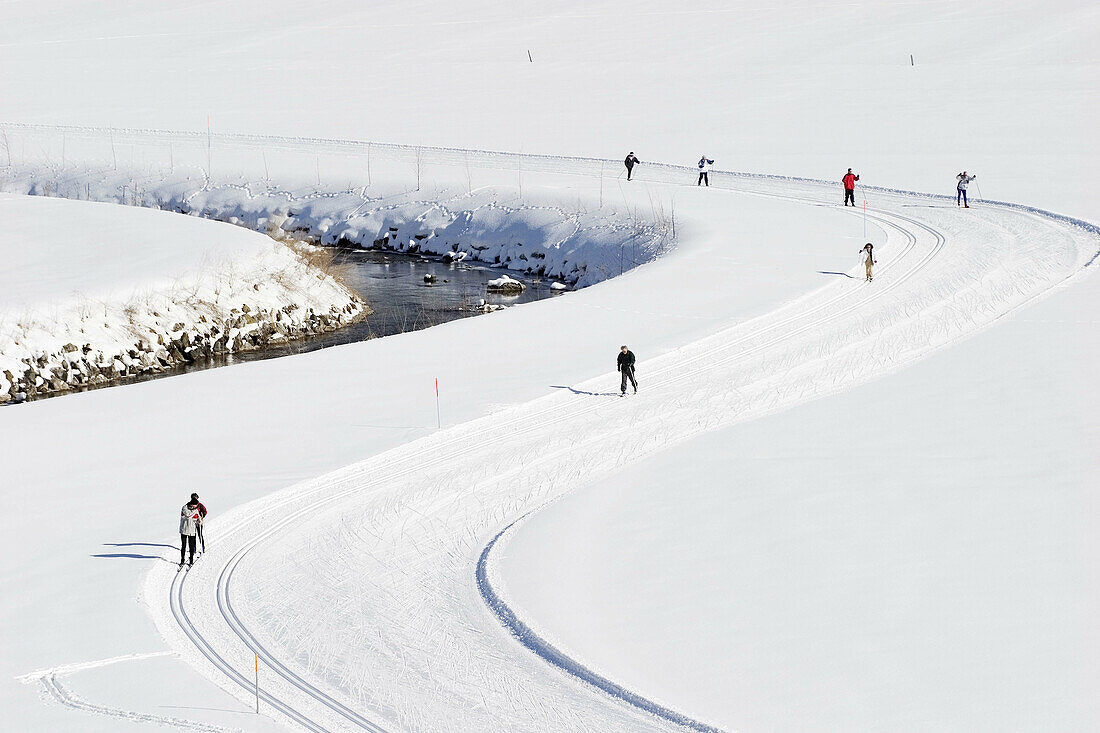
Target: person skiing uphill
[[626, 368], [202, 516], [630, 162], [704, 171], [190, 519], [964, 181], [869, 260], [849, 181]]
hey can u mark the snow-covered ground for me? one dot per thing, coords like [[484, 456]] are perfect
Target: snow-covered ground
[[370, 596], [239, 434], [918, 553], [91, 292], [358, 588], [1001, 87]]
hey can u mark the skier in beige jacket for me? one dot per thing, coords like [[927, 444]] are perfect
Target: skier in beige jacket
[[869, 260]]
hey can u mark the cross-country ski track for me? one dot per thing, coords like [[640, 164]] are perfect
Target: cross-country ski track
[[357, 589]]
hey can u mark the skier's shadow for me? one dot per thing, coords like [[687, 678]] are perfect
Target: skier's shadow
[[842, 274], [581, 391], [133, 555], [138, 544], [129, 555]]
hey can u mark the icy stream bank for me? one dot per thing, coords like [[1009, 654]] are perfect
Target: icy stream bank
[[96, 293]]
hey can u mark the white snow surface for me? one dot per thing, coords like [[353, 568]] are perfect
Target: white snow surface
[[373, 594], [356, 585], [1004, 88], [917, 553]]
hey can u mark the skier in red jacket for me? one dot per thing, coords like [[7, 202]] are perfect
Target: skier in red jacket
[[850, 187]]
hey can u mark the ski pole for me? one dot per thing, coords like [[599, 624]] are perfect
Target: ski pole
[[980, 197]]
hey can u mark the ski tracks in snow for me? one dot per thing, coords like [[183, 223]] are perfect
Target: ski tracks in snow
[[358, 590], [50, 680]]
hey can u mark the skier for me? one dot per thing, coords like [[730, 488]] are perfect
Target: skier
[[626, 367], [190, 519], [704, 171], [869, 260], [849, 181], [631, 161], [964, 181], [202, 515]]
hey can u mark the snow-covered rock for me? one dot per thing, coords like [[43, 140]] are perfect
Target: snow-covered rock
[[505, 284]]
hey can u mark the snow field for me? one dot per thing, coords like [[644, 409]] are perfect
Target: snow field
[[1003, 88], [916, 553], [371, 599], [239, 434]]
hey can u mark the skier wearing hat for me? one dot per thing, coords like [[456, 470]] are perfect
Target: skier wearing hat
[[849, 182], [630, 162], [190, 520], [869, 260], [625, 365]]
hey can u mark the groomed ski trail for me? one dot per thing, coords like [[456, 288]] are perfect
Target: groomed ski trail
[[369, 612]]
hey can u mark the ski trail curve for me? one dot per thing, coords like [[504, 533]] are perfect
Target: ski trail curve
[[369, 613], [547, 651]]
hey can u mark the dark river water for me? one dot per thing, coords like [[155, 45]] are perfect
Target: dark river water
[[393, 286]]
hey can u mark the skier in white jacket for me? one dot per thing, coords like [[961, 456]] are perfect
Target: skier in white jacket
[[190, 519], [964, 181], [704, 171]]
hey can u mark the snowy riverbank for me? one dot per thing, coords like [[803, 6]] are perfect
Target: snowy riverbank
[[94, 293], [539, 215]]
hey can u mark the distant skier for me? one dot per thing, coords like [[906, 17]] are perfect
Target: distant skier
[[190, 519], [626, 367], [869, 260], [964, 181], [202, 516], [630, 162], [850, 187], [704, 171]]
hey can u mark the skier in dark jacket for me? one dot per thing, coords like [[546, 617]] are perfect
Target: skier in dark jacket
[[626, 368], [202, 516], [630, 162], [849, 181]]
